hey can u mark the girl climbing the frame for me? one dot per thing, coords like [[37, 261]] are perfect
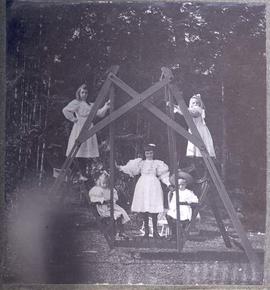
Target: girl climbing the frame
[[77, 112], [197, 110], [148, 194]]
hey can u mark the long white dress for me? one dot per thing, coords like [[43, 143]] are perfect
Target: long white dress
[[80, 110], [148, 194], [185, 195], [99, 194], [192, 150]]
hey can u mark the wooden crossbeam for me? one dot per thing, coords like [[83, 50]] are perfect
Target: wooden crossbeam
[[124, 109], [216, 179], [219, 221], [158, 113]]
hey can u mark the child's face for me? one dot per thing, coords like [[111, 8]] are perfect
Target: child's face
[[195, 102], [103, 181], [182, 184], [149, 155], [83, 94]]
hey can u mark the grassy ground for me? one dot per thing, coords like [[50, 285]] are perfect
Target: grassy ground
[[48, 242]]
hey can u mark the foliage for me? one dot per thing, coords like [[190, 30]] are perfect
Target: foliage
[[52, 49]]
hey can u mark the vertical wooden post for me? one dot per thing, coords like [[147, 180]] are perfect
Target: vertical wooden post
[[169, 129], [174, 168], [112, 157], [224, 149]]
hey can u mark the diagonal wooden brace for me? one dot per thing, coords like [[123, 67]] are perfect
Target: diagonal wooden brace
[[253, 258], [124, 109], [158, 113]]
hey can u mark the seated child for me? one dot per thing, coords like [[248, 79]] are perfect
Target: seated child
[[185, 196], [101, 194]]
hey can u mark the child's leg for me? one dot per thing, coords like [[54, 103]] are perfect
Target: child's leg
[[155, 230], [184, 223], [82, 162], [120, 225], [146, 224], [172, 225]]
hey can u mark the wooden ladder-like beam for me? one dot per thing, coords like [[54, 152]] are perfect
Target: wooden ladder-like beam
[[253, 258]]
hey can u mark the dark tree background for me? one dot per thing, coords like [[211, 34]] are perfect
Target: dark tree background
[[217, 50]]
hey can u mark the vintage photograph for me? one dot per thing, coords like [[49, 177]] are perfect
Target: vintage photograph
[[135, 143]]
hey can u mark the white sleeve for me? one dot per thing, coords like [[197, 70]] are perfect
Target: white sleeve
[[163, 172], [176, 109], [95, 195], [132, 168], [101, 112], [70, 109], [115, 195], [191, 197]]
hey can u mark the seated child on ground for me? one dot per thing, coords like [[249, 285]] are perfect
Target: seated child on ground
[[101, 194], [185, 196]]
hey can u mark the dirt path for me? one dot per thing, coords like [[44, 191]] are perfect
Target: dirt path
[[61, 244]]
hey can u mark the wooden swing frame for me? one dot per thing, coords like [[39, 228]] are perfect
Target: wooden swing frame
[[171, 91]]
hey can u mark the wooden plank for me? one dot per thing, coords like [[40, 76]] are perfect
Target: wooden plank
[[64, 169], [150, 243], [173, 157], [112, 157], [231, 211], [219, 221], [169, 111], [103, 93], [124, 109], [216, 179], [158, 113]]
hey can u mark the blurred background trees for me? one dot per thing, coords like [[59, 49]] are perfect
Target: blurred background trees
[[217, 50]]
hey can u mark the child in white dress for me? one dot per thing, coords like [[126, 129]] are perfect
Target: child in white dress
[[148, 194], [186, 197], [101, 195], [197, 110], [77, 112]]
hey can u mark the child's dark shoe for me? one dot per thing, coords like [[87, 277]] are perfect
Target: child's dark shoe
[[156, 235], [124, 236]]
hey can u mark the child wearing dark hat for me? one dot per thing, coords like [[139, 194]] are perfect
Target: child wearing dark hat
[[186, 196], [148, 194]]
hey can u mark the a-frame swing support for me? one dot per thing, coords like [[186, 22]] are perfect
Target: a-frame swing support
[[194, 137]]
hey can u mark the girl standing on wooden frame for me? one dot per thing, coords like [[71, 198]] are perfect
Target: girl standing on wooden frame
[[77, 112]]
